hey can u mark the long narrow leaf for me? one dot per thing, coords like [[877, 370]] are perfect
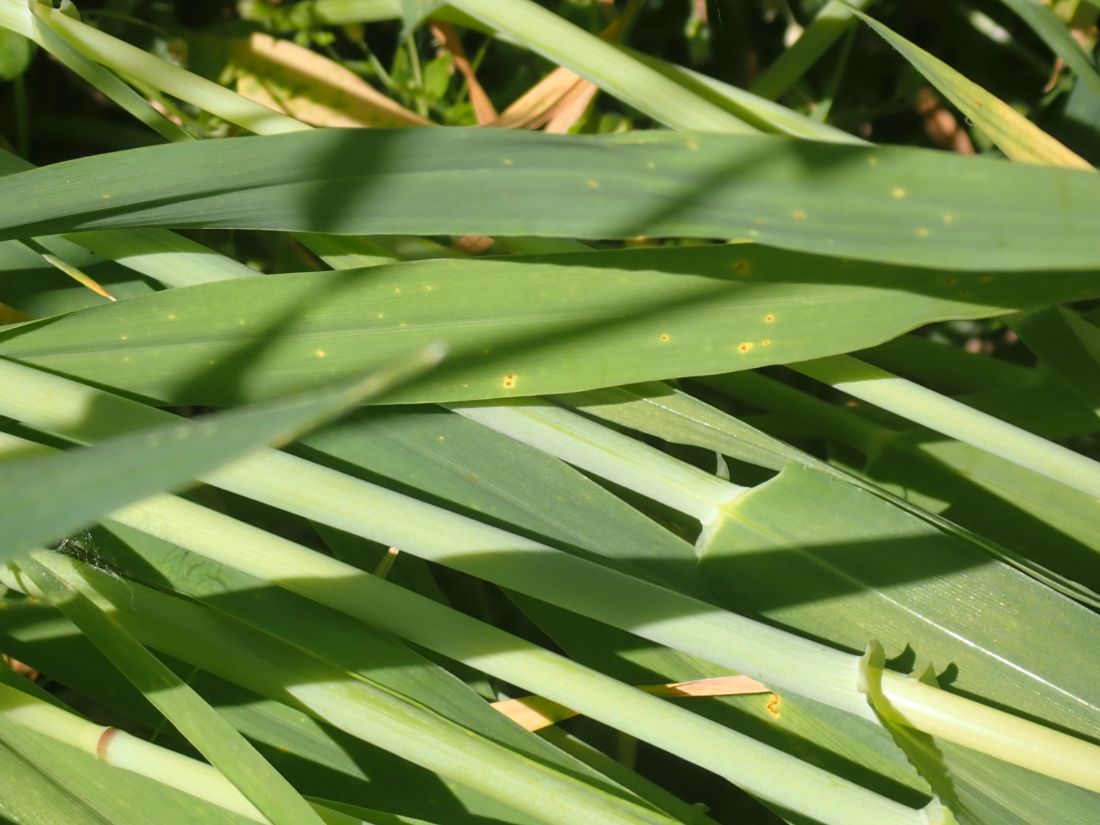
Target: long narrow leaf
[[890, 204], [515, 326]]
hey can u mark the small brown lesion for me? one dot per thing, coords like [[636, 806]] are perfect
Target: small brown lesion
[[104, 743], [509, 382]]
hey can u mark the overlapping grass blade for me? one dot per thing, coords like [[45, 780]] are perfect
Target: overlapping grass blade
[[1045, 23], [49, 781], [530, 567], [592, 58], [158, 253], [89, 483], [957, 420], [211, 735], [1017, 137], [301, 747], [1069, 346], [130, 61], [829, 24], [834, 801]]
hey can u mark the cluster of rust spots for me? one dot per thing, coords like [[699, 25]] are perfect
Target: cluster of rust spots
[[773, 706], [509, 382]]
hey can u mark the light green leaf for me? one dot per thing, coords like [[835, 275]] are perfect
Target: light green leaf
[[46, 497]]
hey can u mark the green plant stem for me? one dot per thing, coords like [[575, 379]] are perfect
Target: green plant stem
[[600, 450], [834, 19], [947, 416], [213, 736], [118, 748], [22, 117]]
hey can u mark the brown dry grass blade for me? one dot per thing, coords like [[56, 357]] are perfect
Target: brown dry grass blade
[[446, 37], [311, 88]]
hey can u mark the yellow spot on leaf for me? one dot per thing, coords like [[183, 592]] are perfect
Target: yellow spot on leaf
[[899, 193], [923, 232], [773, 706], [509, 381], [745, 346], [508, 162], [649, 164], [769, 319], [948, 217], [985, 279], [741, 267], [754, 233], [124, 337], [767, 342], [320, 353], [872, 161], [664, 339], [106, 196], [693, 145], [592, 184], [397, 290], [799, 215], [171, 316]]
